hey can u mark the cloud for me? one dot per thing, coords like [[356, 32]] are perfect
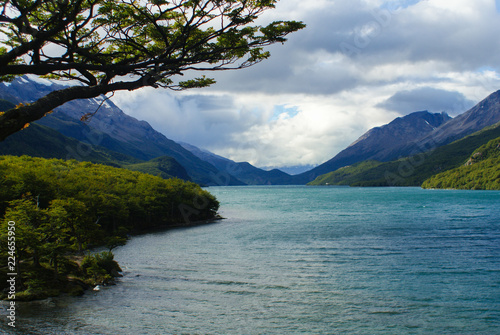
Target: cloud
[[427, 98], [357, 65], [203, 120], [345, 40], [261, 129]]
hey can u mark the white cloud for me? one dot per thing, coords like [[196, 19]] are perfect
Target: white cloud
[[335, 79]]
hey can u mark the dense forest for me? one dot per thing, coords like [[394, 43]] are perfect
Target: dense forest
[[480, 172], [60, 209]]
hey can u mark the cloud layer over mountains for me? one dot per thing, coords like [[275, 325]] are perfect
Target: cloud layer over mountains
[[358, 64]]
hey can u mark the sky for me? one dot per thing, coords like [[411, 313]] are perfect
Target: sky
[[358, 64]]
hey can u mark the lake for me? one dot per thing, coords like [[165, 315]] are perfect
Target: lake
[[303, 260]]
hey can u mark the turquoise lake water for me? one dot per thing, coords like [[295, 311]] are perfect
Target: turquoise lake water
[[303, 260]]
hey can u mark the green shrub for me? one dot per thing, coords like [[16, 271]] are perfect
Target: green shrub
[[100, 268]]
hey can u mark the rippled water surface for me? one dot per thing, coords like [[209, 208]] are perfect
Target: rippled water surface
[[303, 260]]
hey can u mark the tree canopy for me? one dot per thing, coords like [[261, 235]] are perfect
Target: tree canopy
[[125, 45], [480, 172]]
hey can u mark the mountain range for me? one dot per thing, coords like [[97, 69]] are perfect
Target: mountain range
[[244, 171], [108, 129], [412, 170], [110, 136]]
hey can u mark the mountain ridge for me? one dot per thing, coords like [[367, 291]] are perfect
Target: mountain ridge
[[244, 171]]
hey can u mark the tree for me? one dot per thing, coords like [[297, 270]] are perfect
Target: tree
[[109, 45], [29, 220], [56, 235], [70, 216]]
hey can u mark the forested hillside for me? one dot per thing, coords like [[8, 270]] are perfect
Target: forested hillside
[[480, 172], [410, 171], [63, 208]]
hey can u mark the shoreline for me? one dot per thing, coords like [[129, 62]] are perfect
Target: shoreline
[[74, 286], [179, 225]]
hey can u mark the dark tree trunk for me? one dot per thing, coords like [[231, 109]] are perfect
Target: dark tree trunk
[[36, 259], [56, 267]]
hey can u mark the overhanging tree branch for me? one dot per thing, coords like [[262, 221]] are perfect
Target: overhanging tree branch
[[23, 114], [99, 41]]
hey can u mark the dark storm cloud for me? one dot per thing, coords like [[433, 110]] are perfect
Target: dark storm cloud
[[427, 98], [344, 40]]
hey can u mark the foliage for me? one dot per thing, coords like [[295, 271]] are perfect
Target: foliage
[[481, 172], [164, 166], [100, 267], [125, 45], [61, 208], [342, 176], [111, 196]]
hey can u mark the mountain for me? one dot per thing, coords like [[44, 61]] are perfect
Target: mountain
[[41, 141], [109, 127], [413, 170], [411, 135], [244, 171], [484, 114], [383, 143]]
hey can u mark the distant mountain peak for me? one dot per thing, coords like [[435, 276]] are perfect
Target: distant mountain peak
[[381, 141]]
